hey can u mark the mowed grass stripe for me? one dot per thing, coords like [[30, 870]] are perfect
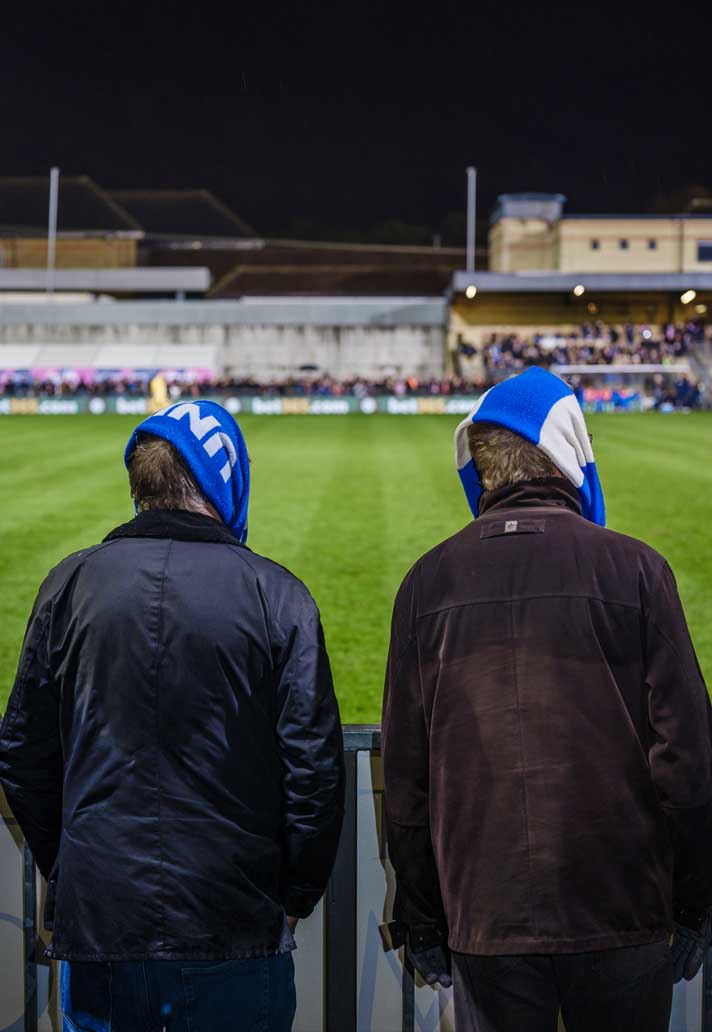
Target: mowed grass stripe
[[424, 501], [62, 487], [657, 477], [341, 560], [348, 503]]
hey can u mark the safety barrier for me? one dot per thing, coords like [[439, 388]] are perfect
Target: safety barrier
[[346, 982]]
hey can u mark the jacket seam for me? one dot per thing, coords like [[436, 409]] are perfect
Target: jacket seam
[[91, 550], [525, 806], [525, 598], [651, 612], [8, 723], [494, 513], [159, 658], [405, 824], [552, 940], [687, 806], [402, 654]]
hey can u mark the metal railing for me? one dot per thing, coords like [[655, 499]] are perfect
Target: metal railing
[[356, 975]]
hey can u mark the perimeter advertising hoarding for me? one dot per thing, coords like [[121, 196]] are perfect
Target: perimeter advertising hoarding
[[379, 999], [454, 405]]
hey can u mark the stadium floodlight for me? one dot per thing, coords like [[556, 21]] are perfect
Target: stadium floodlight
[[470, 291], [688, 296], [579, 289], [52, 227], [700, 309], [471, 216]]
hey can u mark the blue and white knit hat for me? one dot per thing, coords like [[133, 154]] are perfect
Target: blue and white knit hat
[[543, 409], [213, 448]]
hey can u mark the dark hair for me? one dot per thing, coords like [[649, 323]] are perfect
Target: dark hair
[[159, 477], [502, 457]]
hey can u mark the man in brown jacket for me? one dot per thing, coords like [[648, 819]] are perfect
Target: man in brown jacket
[[547, 744]]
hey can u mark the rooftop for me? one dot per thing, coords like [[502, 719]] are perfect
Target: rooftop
[[83, 208], [181, 214]]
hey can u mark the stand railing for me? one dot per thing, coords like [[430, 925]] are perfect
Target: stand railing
[[346, 982]]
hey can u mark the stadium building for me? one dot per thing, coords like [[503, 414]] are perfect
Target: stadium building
[[550, 271], [191, 290]]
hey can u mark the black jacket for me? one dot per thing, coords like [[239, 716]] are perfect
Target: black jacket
[[172, 747], [547, 736]]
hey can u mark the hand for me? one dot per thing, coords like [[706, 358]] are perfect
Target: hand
[[433, 964], [688, 949], [292, 923]]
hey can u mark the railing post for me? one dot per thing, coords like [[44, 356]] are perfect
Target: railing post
[[29, 933], [340, 955], [408, 991], [707, 993]]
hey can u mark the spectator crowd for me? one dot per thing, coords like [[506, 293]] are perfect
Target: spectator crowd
[[594, 344], [179, 386]]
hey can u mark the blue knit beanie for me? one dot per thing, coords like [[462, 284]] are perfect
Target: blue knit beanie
[[212, 446], [542, 408]]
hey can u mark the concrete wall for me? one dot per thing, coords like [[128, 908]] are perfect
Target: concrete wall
[[341, 351], [357, 337]]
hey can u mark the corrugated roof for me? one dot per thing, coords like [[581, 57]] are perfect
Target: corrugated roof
[[182, 214], [549, 282], [83, 207], [254, 311]]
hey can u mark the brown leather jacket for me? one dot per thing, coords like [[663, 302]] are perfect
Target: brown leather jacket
[[547, 736]]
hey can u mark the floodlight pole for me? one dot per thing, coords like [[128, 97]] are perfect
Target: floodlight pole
[[471, 207], [52, 226]]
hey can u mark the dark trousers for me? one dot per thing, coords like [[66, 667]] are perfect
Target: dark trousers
[[254, 995], [622, 990]]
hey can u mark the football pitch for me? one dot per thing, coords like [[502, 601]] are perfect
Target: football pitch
[[348, 504]]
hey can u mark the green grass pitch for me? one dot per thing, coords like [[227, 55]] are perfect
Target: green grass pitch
[[347, 503]]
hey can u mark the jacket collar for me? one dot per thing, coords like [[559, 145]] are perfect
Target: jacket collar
[[177, 524], [545, 491]]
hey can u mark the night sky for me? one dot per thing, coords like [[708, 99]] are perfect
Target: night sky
[[325, 121]]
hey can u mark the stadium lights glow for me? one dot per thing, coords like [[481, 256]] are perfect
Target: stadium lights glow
[[470, 291], [700, 309], [579, 289], [688, 296]]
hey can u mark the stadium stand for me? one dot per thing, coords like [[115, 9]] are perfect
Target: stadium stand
[[667, 357], [595, 344]]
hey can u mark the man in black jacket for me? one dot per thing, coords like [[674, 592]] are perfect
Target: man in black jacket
[[547, 744], [172, 750]]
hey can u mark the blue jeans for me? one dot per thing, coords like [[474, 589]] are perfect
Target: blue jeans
[[255, 995]]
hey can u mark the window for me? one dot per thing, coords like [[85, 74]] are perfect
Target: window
[[623, 244], [652, 245], [595, 245], [704, 250]]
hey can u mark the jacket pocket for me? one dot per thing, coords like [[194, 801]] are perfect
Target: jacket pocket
[[629, 963], [85, 995]]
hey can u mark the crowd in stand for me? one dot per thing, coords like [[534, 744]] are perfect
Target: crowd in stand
[[680, 392], [290, 387], [594, 344]]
